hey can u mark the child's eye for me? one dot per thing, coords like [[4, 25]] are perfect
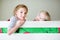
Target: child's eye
[[25, 13], [21, 12]]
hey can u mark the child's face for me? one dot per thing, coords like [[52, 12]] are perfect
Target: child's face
[[21, 13], [41, 17]]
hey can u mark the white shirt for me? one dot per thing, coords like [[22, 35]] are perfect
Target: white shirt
[[13, 21]]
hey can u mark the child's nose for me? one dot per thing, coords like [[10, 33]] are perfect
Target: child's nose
[[23, 14]]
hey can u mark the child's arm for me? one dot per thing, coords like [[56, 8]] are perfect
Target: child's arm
[[18, 24]]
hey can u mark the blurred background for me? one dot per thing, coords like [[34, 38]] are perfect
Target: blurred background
[[34, 6]]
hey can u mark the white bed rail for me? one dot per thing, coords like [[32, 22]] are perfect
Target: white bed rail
[[32, 36]]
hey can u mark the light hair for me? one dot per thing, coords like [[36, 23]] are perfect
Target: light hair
[[47, 13], [20, 6]]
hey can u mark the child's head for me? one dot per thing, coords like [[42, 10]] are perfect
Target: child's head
[[20, 11], [43, 16]]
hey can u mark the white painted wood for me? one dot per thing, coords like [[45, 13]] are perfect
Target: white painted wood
[[34, 24], [41, 36]]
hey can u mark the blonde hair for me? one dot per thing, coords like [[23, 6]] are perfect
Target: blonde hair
[[20, 6], [48, 15]]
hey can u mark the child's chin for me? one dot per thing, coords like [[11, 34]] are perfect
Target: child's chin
[[21, 19]]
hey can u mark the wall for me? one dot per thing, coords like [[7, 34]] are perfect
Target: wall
[[35, 6], [0, 8]]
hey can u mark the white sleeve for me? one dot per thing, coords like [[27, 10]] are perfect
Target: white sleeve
[[12, 22]]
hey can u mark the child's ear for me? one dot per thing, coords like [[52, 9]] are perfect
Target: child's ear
[[15, 12]]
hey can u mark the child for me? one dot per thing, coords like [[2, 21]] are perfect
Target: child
[[18, 19], [43, 16]]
